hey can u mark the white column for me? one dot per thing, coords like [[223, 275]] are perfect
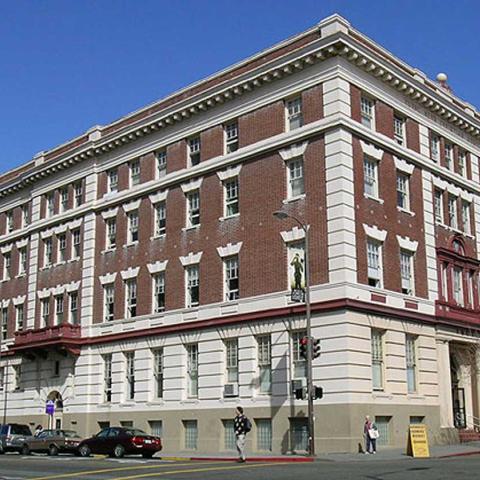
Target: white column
[[336, 97], [466, 383], [424, 140], [444, 384]]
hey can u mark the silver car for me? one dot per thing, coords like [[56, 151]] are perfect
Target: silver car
[[14, 437]]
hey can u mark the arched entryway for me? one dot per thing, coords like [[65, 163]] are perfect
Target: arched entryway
[[56, 419]]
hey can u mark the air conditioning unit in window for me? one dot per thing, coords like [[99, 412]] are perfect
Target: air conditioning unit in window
[[297, 384], [230, 390]]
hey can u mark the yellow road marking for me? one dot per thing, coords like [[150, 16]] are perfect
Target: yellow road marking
[[197, 470], [107, 470]]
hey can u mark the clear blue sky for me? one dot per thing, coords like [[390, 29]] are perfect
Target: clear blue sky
[[67, 65]]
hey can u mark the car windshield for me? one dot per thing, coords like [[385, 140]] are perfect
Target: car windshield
[[20, 430], [70, 434], [135, 432]]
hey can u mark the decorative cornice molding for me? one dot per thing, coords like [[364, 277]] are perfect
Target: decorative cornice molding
[[110, 213], [129, 273], [230, 249], [406, 244], [191, 259], [293, 151], [131, 206], [230, 172], [158, 197], [294, 235], [107, 278], [371, 150], [375, 233], [403, 166], [157, 267], [192, 185]]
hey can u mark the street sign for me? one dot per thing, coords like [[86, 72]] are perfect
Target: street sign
[[50, 407]]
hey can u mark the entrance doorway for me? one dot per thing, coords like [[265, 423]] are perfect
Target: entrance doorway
[[56, 420], [458, 396]]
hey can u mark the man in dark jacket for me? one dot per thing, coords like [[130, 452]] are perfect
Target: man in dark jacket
[[240, 428]]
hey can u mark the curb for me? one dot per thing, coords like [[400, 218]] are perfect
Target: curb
[[255, 459], [460, 454]]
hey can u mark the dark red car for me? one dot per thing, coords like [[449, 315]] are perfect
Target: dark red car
[[120, 441]]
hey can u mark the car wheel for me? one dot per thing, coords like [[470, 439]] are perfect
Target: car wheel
[[53, 450], [84, 451], [119, 451], [25, 450], [147, 454]]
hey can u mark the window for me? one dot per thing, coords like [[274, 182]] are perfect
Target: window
[[458, 286], [130, 374], [48, 252], [56, 368], [299, 363], [377, 360], [193, 208], [367, 110], [64, 199], [7, 266], [17, 377], [299, 434], [399, 129], [73, 307], [158, 372], [160, 219], [22, 261], [62, 247], [449, 156], [4, 323], [403, 191], [411, 363], [25, 215], [383, 426], [438, 205], [264, 434], [370, 177], [406, 272], [131, 298], [374, 261], [108, 302], [231, 351], [78, 193], [264, 363], [134, 172], [452, 211], [9, 218], [231, 278], [466, 216], [471, 288], [111, 237], [193, 286], [2, 383], [76, 243], [19, 309], [462, 162], [435, 147], [159, 292], [229, 441], [133, 227], [191, 434], [50, 204], [296, 184], [161, 159], [58, 309], [192, 369], [231, 197], [294, 113], [194, 151], [156, 428], [231, 137], [107, 378], [45, 306], [112, 176]]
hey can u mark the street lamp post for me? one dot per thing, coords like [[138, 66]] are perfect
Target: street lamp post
[[280, 214], [4, 386]]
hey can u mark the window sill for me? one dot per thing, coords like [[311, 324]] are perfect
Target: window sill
[[192, 227], [131, 244], [107, 250], [128, 404], [190, 401], [294, 199], [105, 405], [110, 194], [21, 275], [157, 402], [76, 259], [376, 199], [415, 396], [222, 219], [404, 210], [158, 237]]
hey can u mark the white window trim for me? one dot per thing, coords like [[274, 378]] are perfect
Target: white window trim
[[128, 207], [293, 151], [158, 197], [157, 267], [229, 173], [192, 185], [403, 166], [294, 235], [375, 233], [190, 259], [129, 273], [230, 249], [406, 244], [107, 278], [111, 213]]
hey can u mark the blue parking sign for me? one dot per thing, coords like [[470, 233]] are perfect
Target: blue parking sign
[[50, 407]]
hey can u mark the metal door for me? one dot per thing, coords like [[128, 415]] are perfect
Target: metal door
[[458, 399]]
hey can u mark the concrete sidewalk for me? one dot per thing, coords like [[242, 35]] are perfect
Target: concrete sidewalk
[[385, 453]]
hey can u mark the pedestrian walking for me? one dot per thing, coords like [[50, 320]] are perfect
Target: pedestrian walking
[[241, 426], [38, 430], [371, 434]]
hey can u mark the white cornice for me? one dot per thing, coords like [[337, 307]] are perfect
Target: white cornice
[[191, 259], [230, 249], [375, 233], [129, 273], [157, 267]]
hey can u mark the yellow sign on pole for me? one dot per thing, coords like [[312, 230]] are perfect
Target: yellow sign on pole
[[418, 441]]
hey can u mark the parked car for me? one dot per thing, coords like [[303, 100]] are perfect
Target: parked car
[[14, 437], [120, 441], [55, 441]]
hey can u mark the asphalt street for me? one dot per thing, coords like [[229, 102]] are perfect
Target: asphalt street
[[16, 467]]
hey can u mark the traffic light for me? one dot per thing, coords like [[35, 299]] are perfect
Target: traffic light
[[304, 347], [316, 348], [318, 393], [301, 393]]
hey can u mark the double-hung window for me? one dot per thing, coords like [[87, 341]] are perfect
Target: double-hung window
[[438, 205], [22, 261], [64, 199], [377, 360], [399, 129], [435, 147], [73, 308], [231, 352], [264, 363], [193, 208], [130, 374], [411, 363], [296, 182], [62, 247], [48, 251], [192, 369], [10, 225], [45, 308], [462, 162], [449, 156], [159, 292], [50, 198], [406, 272], [158, 372], [76, 247], [131, 298], [403, 191], [25, 215], [458, 286], [231, 196], [231, 137], [193, 286], [194, 151], [19, 317], [299, 363], [58, 309], [160, 219], [466, 217], [161, 160], [294, 113], [4, 323], [111, 237], [367, 112], [7, 266], [112, 180], [231, 278], [374, 262], [78, 193], [134, 172], [133, 227], [452, 211], [108, 302], [370, 177], [107, 378]]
